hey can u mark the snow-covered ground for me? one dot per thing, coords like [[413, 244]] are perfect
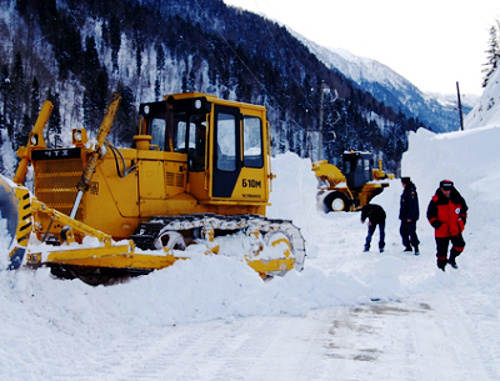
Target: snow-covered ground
[[349, 315]]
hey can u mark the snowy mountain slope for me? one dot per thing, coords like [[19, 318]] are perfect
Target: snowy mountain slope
[[437, 112], [487, 111]]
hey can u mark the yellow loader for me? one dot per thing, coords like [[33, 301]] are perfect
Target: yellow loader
[[355, 187]]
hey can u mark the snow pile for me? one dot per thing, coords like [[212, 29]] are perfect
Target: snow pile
[[60, 329], [487, 112]]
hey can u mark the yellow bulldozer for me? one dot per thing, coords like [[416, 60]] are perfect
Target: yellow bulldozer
[[199, 169], [353, 188]]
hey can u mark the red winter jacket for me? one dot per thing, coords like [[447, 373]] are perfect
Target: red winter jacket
[[447, 215]]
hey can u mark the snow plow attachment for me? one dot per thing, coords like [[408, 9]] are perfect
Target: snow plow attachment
[[98, 259], [15, 211], [8, 207]]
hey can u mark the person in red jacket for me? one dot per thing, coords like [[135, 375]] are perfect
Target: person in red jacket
[[447, 213]]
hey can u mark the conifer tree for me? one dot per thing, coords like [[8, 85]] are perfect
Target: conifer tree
[[35, 100], [492, 53], [19, 93], [125, 121], [55, 122], [115, 39], [53, 130]]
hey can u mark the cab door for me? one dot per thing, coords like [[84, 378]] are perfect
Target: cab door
[[239, 170], [226, 153]]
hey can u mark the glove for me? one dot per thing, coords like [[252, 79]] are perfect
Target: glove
[[461, 225], [436, 224]]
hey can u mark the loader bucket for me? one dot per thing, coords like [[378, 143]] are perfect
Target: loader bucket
[[9, 207]]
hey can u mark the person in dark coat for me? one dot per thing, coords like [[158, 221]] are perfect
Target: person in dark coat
[[409, 214], [447, 213], [376, 216]]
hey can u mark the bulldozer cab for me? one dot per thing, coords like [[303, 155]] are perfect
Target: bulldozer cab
[[225, 143], [182, 130], [357, 168]]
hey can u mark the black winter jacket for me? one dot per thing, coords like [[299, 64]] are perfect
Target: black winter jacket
[[409, 209], [375, 213]]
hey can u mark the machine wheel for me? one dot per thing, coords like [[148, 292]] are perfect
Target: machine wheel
[[171, 240], [337, 202], [275, 238]]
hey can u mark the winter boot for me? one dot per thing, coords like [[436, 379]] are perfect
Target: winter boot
[[452, 262], [441, 263], [453, 255], [416, 251], [408, 248]]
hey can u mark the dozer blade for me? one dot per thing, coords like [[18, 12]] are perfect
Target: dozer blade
[[9, 206], [15, 209]]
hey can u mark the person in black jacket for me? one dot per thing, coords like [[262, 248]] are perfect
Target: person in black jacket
[[376, 216], [408, 214]]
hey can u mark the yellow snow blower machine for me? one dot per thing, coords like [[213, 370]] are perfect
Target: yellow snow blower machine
[[355, 187], [199, 170]]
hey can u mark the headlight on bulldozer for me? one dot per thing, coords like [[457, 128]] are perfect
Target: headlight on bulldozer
[[79, 136], [34, 140]]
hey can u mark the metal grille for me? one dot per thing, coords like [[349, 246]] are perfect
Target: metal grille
[[175, 179], [170, 178], [55, 183], [179, 178]]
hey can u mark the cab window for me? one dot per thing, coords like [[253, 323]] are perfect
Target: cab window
[[226, 142], [180, 132], [252, 142], [197, 142], [157, 130]]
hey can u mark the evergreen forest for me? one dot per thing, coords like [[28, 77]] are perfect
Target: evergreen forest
[[76, 53]]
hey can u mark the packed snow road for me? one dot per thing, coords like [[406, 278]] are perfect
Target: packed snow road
[[444, 331]]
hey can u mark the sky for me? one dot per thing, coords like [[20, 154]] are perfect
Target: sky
[[432, 43], [350, 314]]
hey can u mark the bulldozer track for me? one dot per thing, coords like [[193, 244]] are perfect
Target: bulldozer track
[[191, 225]]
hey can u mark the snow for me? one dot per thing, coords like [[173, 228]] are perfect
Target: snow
[[357, 315], [348, 315], [487, 111]]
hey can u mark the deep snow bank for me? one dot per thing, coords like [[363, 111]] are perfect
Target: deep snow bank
[[469, 158]]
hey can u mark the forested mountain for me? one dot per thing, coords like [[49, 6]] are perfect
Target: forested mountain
[[77, 52], [438, 112]]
